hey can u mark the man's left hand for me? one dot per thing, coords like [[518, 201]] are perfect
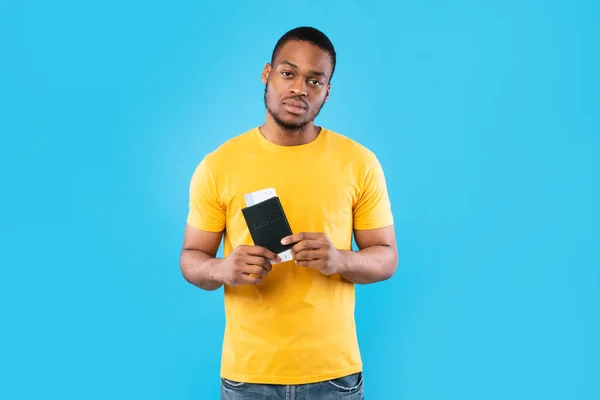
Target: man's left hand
[[315, 250]]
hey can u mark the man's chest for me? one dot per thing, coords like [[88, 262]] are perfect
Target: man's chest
[[317, 196]]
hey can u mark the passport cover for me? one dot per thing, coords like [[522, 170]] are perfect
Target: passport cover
[[268, 224]]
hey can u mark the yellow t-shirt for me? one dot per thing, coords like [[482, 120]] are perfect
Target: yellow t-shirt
[[297, 326]]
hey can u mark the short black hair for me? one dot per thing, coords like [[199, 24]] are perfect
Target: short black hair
[[310, 35]]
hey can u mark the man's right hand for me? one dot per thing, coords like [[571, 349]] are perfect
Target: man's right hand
[[244, 265]]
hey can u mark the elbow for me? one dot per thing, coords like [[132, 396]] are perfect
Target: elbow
[[391, 266], [388, 272], [185, 273], [184, 266], [191, 272]]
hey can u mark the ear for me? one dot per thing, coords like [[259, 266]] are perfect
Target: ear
[[266, 72], [327, 95]]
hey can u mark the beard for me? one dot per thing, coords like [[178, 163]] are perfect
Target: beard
[[289, 126]]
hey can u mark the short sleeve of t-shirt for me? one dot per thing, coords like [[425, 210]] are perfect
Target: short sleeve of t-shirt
[[206, 211], [373, 209]]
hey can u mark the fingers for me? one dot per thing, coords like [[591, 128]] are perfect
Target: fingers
[[263, 252], [259, 261], [307, 255], [307, 244], [254, 270], [302, 236], [250, 279], [250, 274]]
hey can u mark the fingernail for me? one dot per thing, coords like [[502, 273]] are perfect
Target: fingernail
[[283, 241]]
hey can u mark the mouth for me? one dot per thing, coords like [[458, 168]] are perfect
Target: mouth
[[294, 108]]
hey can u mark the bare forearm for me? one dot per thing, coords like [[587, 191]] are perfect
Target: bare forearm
[[369, 265], [196, 267]]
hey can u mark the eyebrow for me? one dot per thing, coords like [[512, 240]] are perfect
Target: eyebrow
[[291, 64]]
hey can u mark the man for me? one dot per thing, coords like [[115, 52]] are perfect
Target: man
[[290, 329]]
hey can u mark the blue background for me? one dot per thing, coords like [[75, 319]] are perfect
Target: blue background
[[484, 115]]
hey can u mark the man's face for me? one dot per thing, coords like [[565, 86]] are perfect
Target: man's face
[[297, 84]]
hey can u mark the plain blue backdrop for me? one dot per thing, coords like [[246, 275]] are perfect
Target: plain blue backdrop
[[486, 119]]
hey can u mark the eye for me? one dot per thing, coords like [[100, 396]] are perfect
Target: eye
[[287, 74], [316, 82]]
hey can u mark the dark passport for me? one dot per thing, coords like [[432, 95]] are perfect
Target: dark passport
[[268, 224]]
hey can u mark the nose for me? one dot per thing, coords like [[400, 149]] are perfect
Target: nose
[[298, 87]]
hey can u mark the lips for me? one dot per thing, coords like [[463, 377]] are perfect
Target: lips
[[294, 106]]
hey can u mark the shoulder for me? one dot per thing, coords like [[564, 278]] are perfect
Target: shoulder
[[229, 149], [351, 148]]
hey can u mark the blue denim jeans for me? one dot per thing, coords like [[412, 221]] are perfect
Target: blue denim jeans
[[348, 387]]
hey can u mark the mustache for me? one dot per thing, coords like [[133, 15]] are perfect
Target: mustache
[[296, 98]]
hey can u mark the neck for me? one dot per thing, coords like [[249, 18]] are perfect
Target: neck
[[285, 137]]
